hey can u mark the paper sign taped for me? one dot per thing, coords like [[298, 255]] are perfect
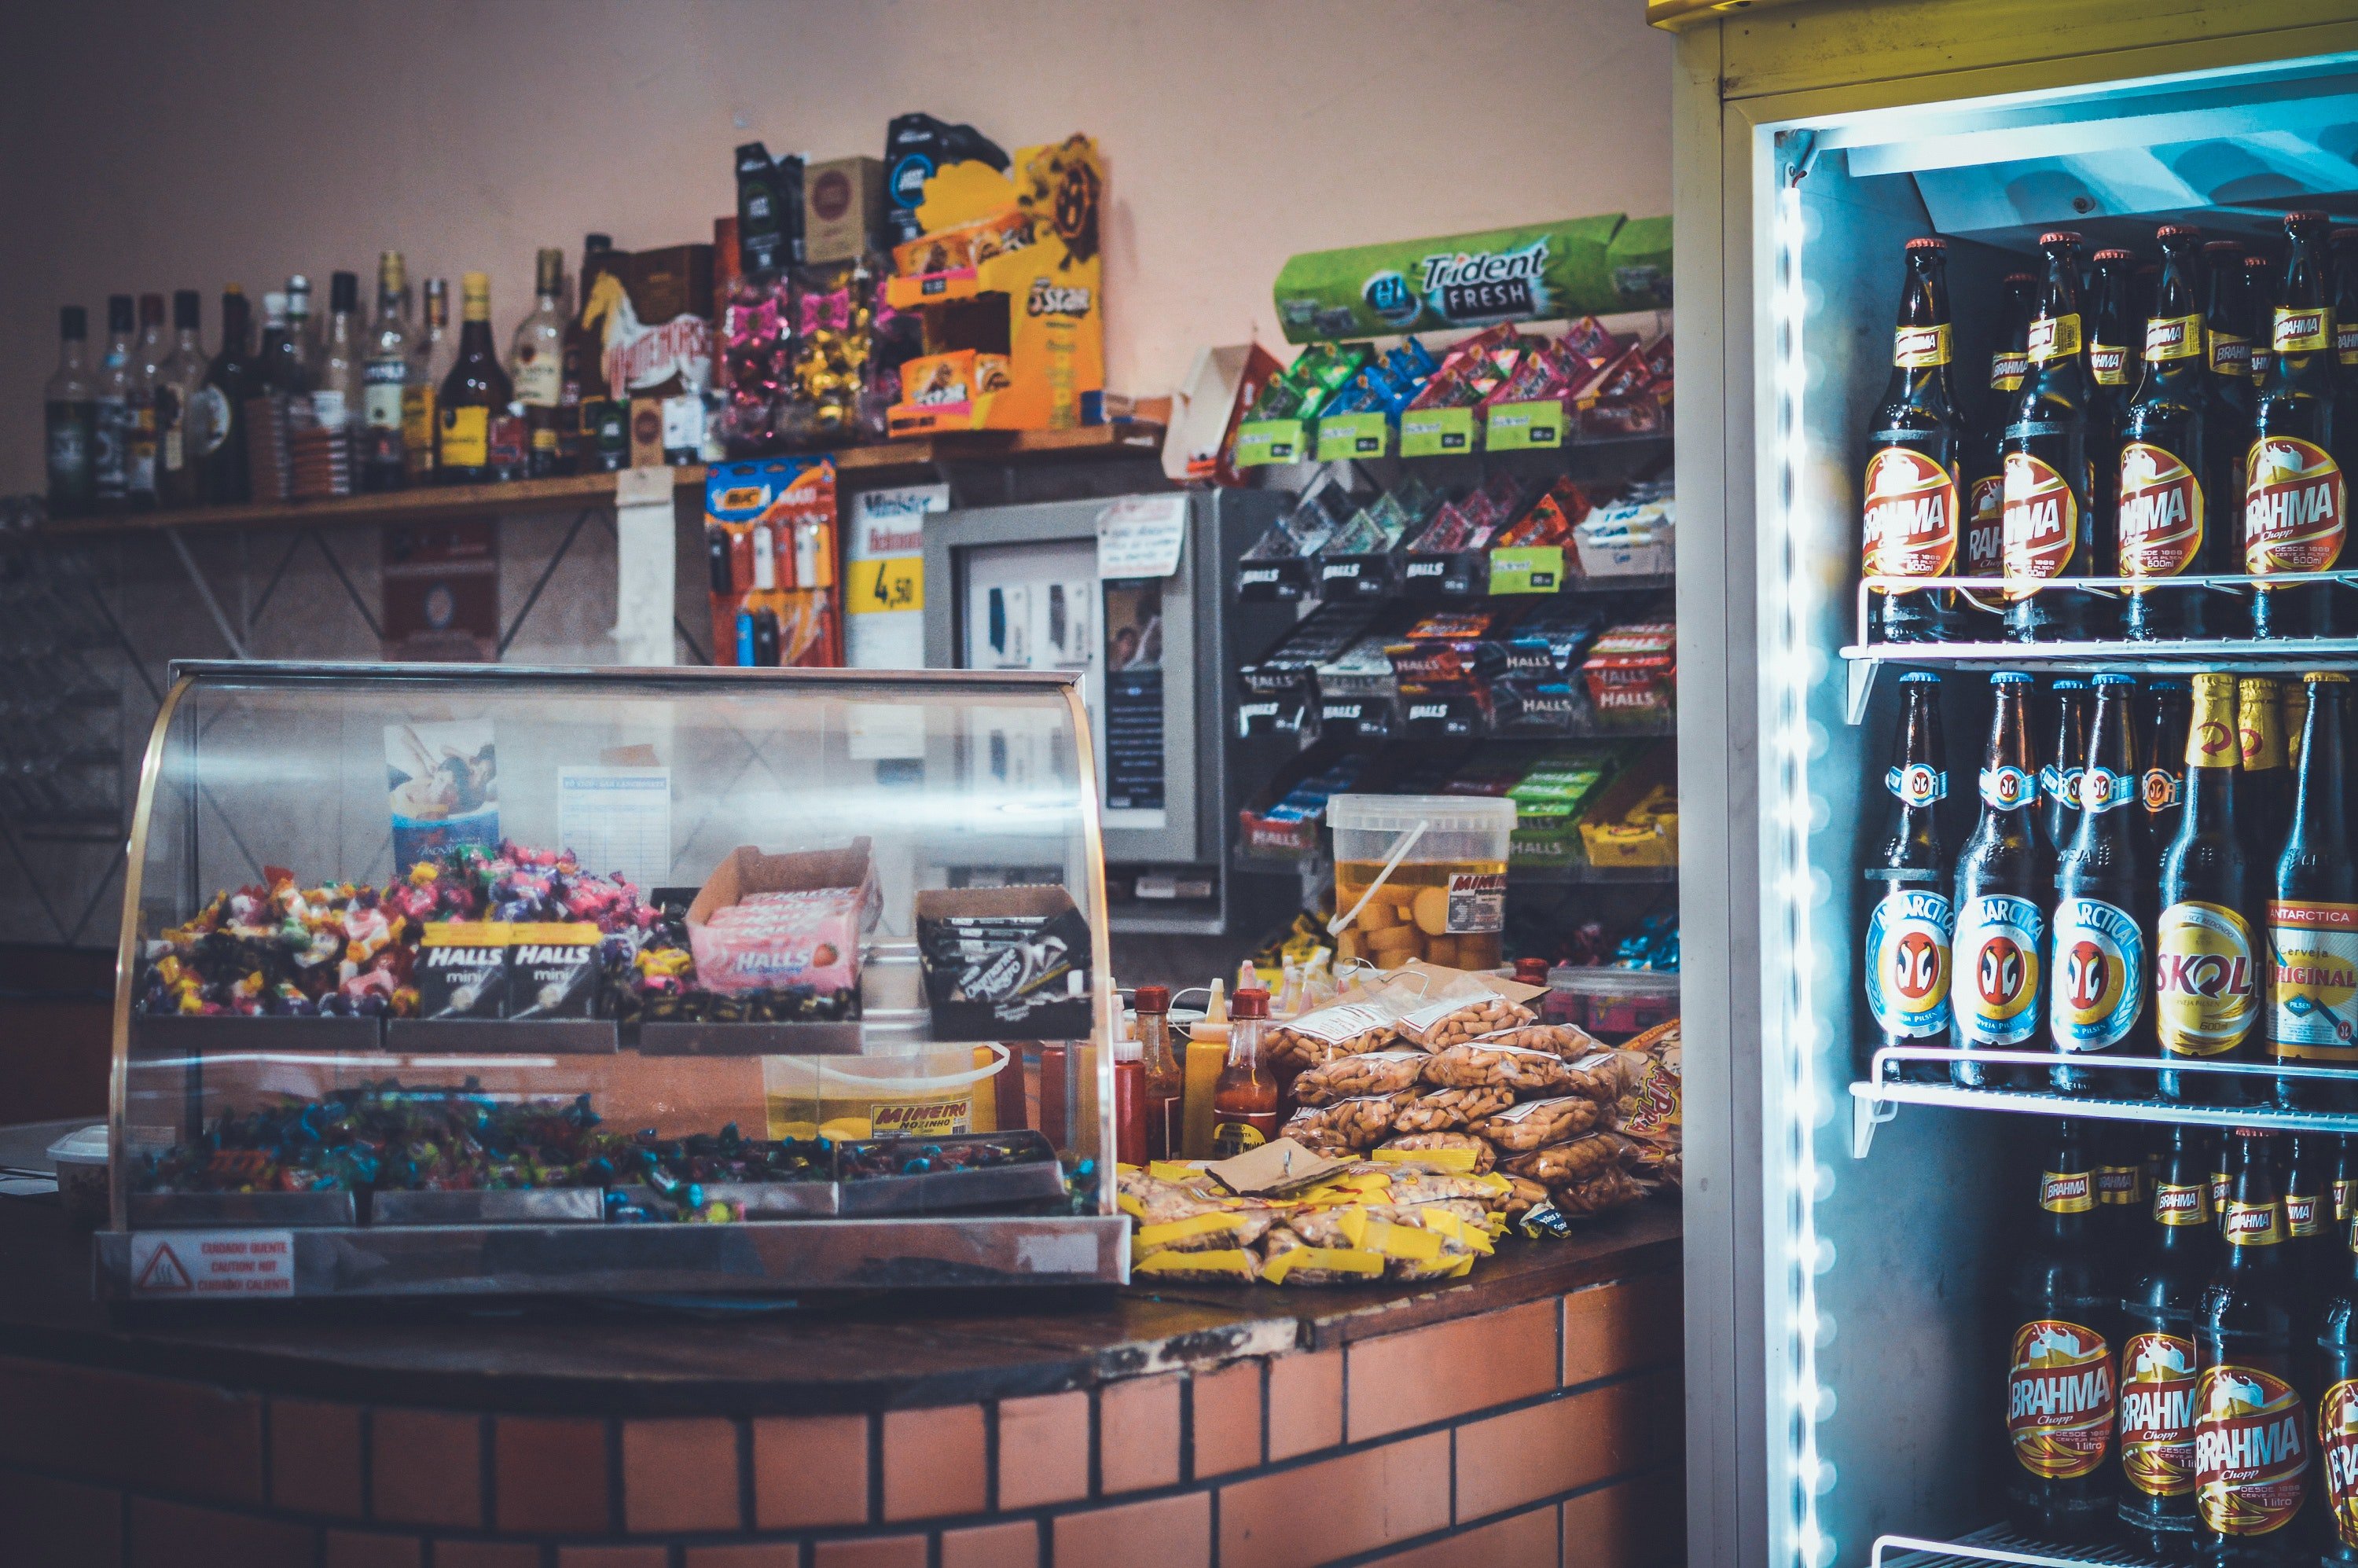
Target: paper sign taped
[[1140, 535], [192, 1264]]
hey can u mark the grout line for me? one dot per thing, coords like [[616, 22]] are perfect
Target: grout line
[[991, 1411], [617, 1505], [487, 1467], [269, 1484], [368, 1464], [747, 1502], [1187, 1429], [1264, 1406], [1096, 1455], [876, 1467]]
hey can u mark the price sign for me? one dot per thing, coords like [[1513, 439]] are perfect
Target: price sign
[[1436, 432]]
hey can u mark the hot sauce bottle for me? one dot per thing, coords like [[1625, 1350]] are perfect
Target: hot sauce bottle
[[1165, 1136], [1244, 1101]]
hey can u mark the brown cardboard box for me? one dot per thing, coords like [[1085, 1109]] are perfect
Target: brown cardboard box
[[843, 206]]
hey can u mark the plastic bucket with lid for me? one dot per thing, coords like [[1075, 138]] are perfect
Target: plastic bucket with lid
[[929, 1095], [81, 1159], [1437, 868]]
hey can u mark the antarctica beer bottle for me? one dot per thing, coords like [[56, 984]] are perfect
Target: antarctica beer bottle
[[2097, 951], [1909, 923], [2003, 875]]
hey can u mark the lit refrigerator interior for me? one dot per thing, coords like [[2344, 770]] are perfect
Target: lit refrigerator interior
[[1889, 1214]]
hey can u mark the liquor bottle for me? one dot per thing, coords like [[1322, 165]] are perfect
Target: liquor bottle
[[2099, 958], [69, 420], [473, 393], [147, 357], [2313, 912], [181, 408], [1244, 1101], [2206, 968], [1914, 451], [2059, 1376], [2294, 492], [227, 384], [111, 453], [1164, 1083], [2251, 1424], [2059, 780], [290, 369], [2161, 741], [584, 391], [1909, 923], [537, 364], [338, 391], [1986, 475], [432, 354], [2050, 517], [2173, 459], [2003, 875], [2343, 1187], [2156, 1372], [2337, 1407], [385, 381], [2309, 1243]]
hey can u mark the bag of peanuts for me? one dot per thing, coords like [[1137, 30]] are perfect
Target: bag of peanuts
[[1524, 1196], [1346, 1029], [1537, 1123], [1482, 1063], [1361, 1123], [1565, 1040], [1227, 1266], [1370, 1073], [1451, 1110], [1466, 1010], [1291, 1260], [1564, 1163], [1446, 1148], [1607, 1189], [1604, 1075]]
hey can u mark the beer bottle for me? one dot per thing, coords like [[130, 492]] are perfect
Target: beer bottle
[[2259, 304], [1985, 496], [1914, 451], [2311, 1243], [2337, 1408], [2059, 1389], [2343, 1187], [2161, 741], [2098, 953], [2251, 1426], [1909, 925], [2266, 790], [2206, 992], [2294, 493], [2049, 516], [2313, 914], [2113, 327], [2156, 1377], [2166, 485], [2227, 350], [2059, 780], [2004, 873], [2344, 246], [2120, 1192], [2223, 1176]]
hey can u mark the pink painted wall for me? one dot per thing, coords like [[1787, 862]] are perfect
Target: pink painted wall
[[147, 145]]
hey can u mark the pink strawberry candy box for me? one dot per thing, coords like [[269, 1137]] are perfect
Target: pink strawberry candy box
[[766, 947]]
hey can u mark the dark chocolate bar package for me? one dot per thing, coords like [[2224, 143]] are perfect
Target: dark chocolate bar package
[[462, 971], [916, 148], [553, 972], [1005, 961], [768, 210]]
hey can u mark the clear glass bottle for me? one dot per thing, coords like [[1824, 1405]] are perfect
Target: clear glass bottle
[[536, 362], [385, 376], [431, 352], [110, 454], [287, 355], [70, 417], [337, 391], [183, 413], [147, 357]]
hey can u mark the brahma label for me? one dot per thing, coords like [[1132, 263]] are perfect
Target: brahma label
[[2250, 1454], [2161, 512], [2293, 502], [2186, 1204], [2252, 1224], [1986, 528], [2042, 521], [1996, 955], [2054, 337], [2337, 1449], [2230, 355], [2067, 1192], [2058, 1398], [1912, 515], [1919, 348], [2173, 338], [2157, 1401], [2205, 1000], [1907, 964], [2301, 330], [2109, 363], [2100, 970], [2315, 951]]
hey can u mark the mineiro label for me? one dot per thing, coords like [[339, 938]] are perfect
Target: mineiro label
[[2337, 1448], [1919, 348], [1986, 528], [2099, 988], [1996, 957], [2157, 1402], [2058, 1398], [2205, 1000], [2293, 502], [2250, 1454], [2042, 521], [1907, 964], [2161, 512], [2315, 949], [1912, 515]]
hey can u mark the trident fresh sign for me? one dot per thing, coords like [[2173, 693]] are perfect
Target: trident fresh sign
[[1538, 273]]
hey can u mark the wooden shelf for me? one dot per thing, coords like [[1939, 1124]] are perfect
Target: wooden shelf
[[434, 502]]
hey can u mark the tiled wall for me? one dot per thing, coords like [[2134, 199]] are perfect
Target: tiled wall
[[1544, 1433]]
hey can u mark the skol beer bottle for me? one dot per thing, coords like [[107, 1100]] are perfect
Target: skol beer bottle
[[2161, 742], [2004, 876], [2313, 913], [2059, 780], [2206, 964], [2157, 1370], [1985, 475], [2097, 952], [2060, 1374], [1909, 924], [1914, 451], [2337, 1407], [2294, 499], [2251, 1424], [2170, 462], [2049, 515]]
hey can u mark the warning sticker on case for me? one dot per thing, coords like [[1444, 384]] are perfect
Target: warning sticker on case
[[194, 1263]]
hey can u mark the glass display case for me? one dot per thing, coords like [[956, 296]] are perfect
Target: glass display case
[[479, 979]]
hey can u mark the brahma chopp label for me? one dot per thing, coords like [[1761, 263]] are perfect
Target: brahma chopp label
[[2301, 329], [1995, 954], [2337, 1453], [2156, 1404], [2230, 355], [2205, 995], [2294, 499], [2173, 338], [1907, 961], [1986, 528], [2058, 1398], [1911, 514], [2161, 512], [2054, 337], [1919, 348], [2313, 960], [2251, 1456], [2042, 523], [2109, 363], [2099, 988]]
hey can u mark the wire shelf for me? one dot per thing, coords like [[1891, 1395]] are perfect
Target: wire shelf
[[1998, 1543]]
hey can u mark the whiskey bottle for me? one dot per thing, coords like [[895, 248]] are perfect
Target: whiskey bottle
[[430, 356], [182, 411], [226, 472], [70, 419], [111, 448], [475, 393]]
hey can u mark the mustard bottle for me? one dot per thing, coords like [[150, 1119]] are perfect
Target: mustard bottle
[[1208, 1052]]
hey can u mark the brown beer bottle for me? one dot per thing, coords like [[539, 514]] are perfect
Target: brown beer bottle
[[1907, 961], [1985, 475], [2337, 1407], [2060, 1374], [2050, 514], [1915, 451], [2266, 789], [2161, 742], [2165, 482], [2156, 1373], [2206, 967], [2059, 780], [2313, 913], [2294, 495], [2097, 936], [2004, 873]]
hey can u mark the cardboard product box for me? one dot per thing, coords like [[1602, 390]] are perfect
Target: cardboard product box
[[843, 207], [650, 316], [1041, 987], [827, 956]]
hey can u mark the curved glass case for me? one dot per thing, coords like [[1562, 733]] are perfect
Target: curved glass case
[[440, 979]]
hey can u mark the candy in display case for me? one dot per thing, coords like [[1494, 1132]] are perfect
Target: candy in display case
[[442, 980]]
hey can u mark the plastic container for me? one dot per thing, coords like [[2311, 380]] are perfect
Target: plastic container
[[1612, 1004], [81, 1160], [928, 1095], [1446, 900]]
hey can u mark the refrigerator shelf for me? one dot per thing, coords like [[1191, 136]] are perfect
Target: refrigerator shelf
[[1997, 1543], [1876, 1098]]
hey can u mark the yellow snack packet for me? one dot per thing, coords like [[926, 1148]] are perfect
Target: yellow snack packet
[[1333, 1260], [1458, 1160], [1152, 1236], [1232, 1262]]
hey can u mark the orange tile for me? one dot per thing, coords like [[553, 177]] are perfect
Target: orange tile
[[189, 1438], [870, 1551], [614, 1557], [761, 1554], [1641, 1523], [426, 1467], [1576, 1441], [315, 1458], [1401, 1380], [167, 1535], [1043, 1450], [934, 1462], [1305, 1402], [810, 1470], [1623, 1326], [680, 1475], [356, 1548], [1015, 1544], [1363, 1501], [1227, 1419], [1164, 1532], [1519, 1540], [1138, 1434], [486, 1554], [551, 1474]]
